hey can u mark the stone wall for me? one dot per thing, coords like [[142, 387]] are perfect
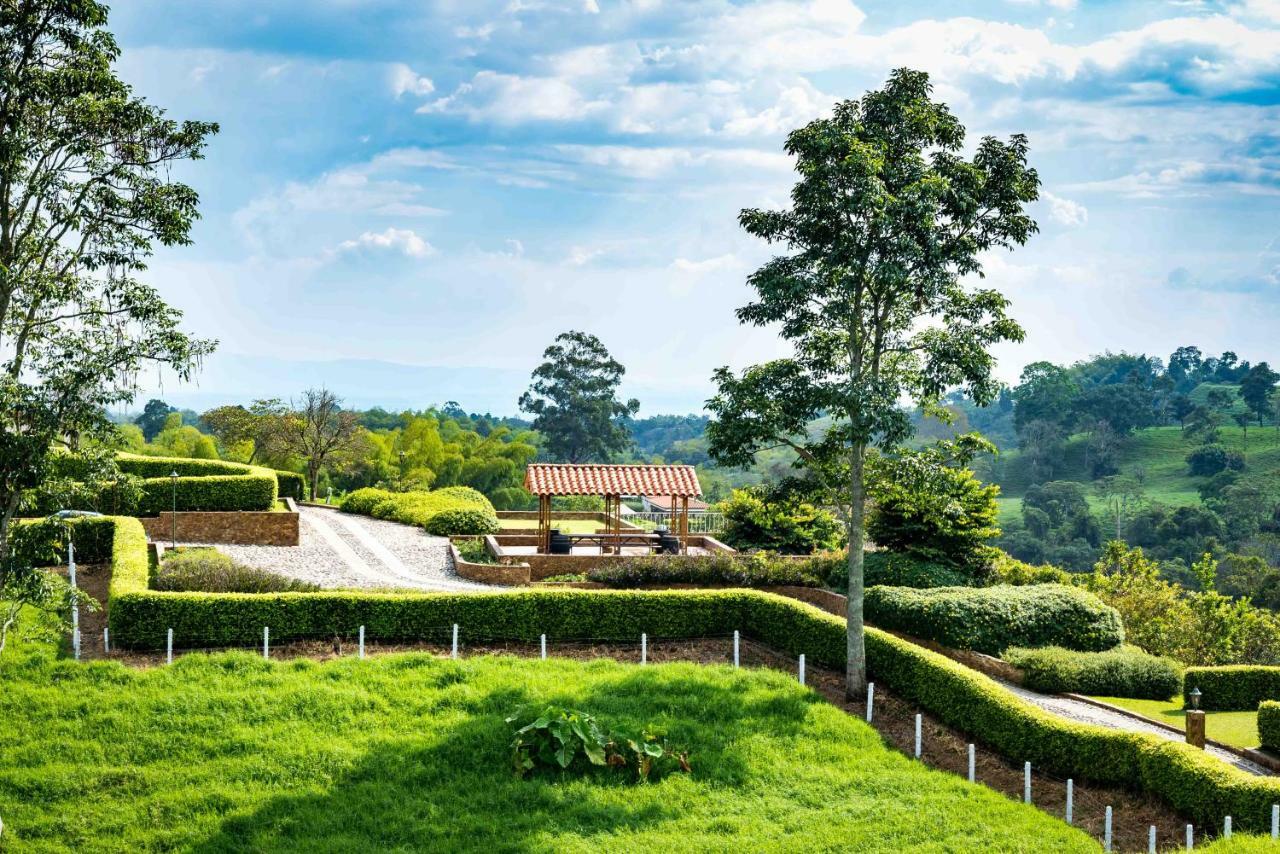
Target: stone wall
[[490, 573], [545, 566], [244, 528]]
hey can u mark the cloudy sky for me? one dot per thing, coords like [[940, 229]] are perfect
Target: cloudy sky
[[409, 199]]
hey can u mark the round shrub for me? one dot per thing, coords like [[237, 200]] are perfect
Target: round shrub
[[463, 520], [362, 501], [210, 571], [462, 495], [1125, 671], [895, 569], [992, 619]]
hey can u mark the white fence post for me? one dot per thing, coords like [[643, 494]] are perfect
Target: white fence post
[[735, 647], [266, 642], [644, 648], [1191, 836], [1151, 840], [75, 643], [1106, 831], [454, 654], [362, 642], [919, 718], [1275, 821], [106, 639], [1026, 782], [871, 699], [1071, 799], [972, 764], [168, 648], [1226, 828], [802, 668], [543, 642]]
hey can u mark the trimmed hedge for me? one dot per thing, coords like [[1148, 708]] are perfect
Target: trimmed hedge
[[42, 542], [455, 510], [1198, 785], [1269, 724], [896, 569], [993, 619], [462, 521], [1232, 688], [215, 492], [742, 570], [290, 484], [1125, 671], [157, 467]]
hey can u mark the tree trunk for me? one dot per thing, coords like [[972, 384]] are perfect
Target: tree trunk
[[856, 651], [313, 475]]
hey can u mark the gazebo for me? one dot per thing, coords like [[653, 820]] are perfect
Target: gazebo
[[612, 482]]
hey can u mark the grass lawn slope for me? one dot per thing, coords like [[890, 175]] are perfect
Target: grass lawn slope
[[409, 752]]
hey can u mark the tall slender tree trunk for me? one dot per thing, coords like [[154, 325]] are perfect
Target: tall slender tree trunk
[[313, 475], [856, 651]]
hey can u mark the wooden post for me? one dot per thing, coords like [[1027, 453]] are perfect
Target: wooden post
[[684, 524], [1195, 728]]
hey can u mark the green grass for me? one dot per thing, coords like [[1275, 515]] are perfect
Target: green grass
[[1239, 729], [566, 526], [410, 753]]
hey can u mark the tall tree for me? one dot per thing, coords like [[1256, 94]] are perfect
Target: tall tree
[[886, 219], [1258, 389], [152, 419], [86, 192], [318, 430], [574, 400]]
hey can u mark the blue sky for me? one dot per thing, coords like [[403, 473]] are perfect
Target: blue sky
[[450, 184]]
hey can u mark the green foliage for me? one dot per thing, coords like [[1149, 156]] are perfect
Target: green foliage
[[1125, 671], [43, 542], [564, 739], [716, 570], [756, 521], [1011, 571], [1208, 460], [900, 570], [211, 571], [212, 492], [290, 484], [474, 551], [573, 399], [453, 510], [1269, 725], [992, 619], [928, 506], [1238, 687]]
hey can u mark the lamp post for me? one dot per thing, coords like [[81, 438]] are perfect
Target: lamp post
[[173, 515]]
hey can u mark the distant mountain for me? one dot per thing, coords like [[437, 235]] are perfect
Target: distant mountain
[[364, 383]]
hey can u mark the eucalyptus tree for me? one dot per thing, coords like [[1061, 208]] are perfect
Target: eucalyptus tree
[[888, 220], [85, 195]]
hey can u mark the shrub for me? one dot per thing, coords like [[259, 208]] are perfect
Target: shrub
[[463, 520], [992, 619], [1011, 571], [210, 571], [474, 551], [211, 492], [1208, 460], [1125, 671], [561, 739], [362, 501], [717, 570], [290, 484], [895, 569], [1269, 724], [754, 521], [43, 542], [1232, 688]]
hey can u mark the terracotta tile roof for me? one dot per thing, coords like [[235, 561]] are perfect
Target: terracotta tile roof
[[664, 501], [570, 479]]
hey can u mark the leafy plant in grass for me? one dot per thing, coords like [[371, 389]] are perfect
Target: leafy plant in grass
[[562, 738], [209, 571], [474, 551], [1125, 671]]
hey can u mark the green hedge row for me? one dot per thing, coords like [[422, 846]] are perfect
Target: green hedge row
[[1125, 671], [1269, 724], [1200, 786], [1232, 688], [993, 619], [760, 569], [215, 492], [290, 484], [157, 467], [454, 510]]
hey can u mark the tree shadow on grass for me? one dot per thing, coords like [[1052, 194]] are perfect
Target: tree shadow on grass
[[453, 789]]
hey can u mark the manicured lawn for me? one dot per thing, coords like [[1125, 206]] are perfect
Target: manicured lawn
[[566, 526], [1239, 729], [410, 753]]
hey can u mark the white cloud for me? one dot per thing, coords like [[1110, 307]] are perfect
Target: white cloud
[[511, 99], [404, 80], [638, 162], [719, 263], [401, 240], [581, 255], [1065, 211]]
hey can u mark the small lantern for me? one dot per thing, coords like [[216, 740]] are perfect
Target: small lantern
[[1194, 694]]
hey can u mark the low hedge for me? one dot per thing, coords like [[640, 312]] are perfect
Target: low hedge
[[1198, 785], [894, 569], [454, 510], [290, 484], [1269, 724], [1125, 671], [715, 570], [1232, 688], [215, 492], [993, 619]]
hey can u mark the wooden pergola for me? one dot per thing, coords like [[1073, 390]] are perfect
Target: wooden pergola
[[612, 482]]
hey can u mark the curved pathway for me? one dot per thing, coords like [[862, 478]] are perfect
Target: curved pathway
[[343, 550], [1065, 707]]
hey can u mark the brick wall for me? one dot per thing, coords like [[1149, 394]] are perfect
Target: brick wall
[[245, 528]]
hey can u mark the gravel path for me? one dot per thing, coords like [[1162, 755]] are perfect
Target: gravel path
[[1075, 710], [342, 550]]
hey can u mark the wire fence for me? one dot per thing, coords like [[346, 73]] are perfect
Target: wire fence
[[699, 523], [1082, 805]]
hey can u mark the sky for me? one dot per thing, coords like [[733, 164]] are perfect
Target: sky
[[408, 200]]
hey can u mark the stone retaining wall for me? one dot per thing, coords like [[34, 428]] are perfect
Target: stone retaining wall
[[242, 528]]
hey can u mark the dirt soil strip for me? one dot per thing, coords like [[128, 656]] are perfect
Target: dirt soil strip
[[943, 747]]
